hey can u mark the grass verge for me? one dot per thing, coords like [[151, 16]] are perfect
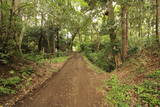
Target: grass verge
[[145, 94], [92, 66]]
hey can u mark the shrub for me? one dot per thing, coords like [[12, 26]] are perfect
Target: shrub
[[60, 54], [155, 75], [59, 59], [27, 70], [33, 57], [10, 81], [4, 91], [4, 58], [102, 58]]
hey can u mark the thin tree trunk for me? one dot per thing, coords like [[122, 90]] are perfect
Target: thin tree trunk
[[21, 38], [140, 19], [98, 42], [1, 21], [58, 39], [11, 13], [40, 42], [71, 42], [1, 14], [52, 43], [41, 36], [124, 33], [72, 39], [157, 21], [127, 31]]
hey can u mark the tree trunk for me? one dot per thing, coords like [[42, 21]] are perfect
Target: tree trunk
[[1, 21], [40, 41], [1, 14], [58, 39], [41, 36], [21, 39], [72, 39], [112, 33], [11, 13], [71, 42], [157, 20], [98, 43], [124, 33], [52, 43]]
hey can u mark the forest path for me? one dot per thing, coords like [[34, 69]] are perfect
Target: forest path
[[74, 86]]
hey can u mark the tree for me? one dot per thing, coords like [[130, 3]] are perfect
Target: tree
[[112, 33], [124, 31], [157, 20]]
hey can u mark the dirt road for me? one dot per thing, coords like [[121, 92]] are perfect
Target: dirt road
[[74, 86]]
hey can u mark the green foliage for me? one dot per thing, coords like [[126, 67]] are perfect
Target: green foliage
[[6, 85], [155, 75], [4, 58], [102, 61], [30, 41], [5, 91], [133, 50], [59, 59], [41, 58], [102, 58], [29, 81], [54, 60], [54, 70], [80, 3], [26, 72], [140, 70], [12, 81], [12, 72], [92, 66], [118, 93], [148, 92], [33, 57], [60, 54]]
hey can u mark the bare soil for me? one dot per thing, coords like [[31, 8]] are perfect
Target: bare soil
[[134, 72], [74, 86]]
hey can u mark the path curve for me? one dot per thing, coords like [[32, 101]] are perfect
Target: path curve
[[74, 86]]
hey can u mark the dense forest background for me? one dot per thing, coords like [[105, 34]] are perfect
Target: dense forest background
[[106, 31]]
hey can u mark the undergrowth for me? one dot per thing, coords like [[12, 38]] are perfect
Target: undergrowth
[[5, 91], [11, 84], [6, 85], [54, 60], [92, 66], [118, 94], [148, 92], [45, 58], [10, 81]]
